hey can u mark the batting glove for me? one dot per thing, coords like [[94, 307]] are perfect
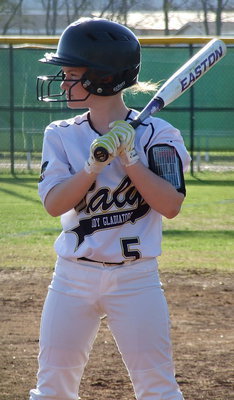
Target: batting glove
[[126, 135], [108, 141]]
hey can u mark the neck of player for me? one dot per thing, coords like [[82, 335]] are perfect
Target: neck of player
[[105, 110]]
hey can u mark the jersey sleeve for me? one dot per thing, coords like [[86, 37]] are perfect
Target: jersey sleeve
[[55, 167]]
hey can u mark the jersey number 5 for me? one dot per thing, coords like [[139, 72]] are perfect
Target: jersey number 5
[[129, 252]]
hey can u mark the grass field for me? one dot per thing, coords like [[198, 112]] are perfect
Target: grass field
[[201, 236]]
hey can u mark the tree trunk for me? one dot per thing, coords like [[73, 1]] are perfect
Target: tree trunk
[[219, 17], [54, 16], [205, 14], [166, 6]]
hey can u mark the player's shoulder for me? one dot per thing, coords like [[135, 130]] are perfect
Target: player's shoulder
[[154, 130], [151, 122], [159, 123], [68, 123], [165, 131]]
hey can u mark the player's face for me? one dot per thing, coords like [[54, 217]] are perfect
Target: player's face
[[74, 90]]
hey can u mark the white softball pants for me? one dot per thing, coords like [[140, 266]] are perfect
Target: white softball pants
[[133, 301]]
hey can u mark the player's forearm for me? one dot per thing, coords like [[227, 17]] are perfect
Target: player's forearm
[[157, 192], [66, 195]]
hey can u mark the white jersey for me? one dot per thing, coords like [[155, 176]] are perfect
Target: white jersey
[[112, 223]]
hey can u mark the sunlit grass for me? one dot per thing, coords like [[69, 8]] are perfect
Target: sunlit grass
[[201, 236]]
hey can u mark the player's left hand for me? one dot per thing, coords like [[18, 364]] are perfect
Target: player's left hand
[[110, 142], [126, 135]]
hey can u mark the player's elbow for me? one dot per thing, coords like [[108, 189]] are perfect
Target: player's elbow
[[172, 213], [53, 213], [173, 208], [51, 210]]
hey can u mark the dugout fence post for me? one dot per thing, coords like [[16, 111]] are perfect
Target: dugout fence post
[[11, 89], [192, 118]]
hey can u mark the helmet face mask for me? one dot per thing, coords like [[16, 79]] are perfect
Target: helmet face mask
[[49, 88], [110, 51]]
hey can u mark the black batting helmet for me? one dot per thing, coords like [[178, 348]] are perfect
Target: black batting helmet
[[106, 48]]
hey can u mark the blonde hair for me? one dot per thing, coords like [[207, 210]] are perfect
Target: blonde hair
[[143, 87]]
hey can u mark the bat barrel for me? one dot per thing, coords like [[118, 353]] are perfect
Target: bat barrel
[[192, 70]]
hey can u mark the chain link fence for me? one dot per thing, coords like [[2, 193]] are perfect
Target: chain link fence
[[204, 114]]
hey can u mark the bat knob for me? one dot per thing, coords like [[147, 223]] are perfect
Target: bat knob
[[100, 154]]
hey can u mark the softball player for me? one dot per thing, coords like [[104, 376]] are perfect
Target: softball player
[[111, 214]]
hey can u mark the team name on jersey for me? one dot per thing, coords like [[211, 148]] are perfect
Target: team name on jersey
[[125, 198]]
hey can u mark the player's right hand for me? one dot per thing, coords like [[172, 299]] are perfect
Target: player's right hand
[[126, 135], [109, 141]]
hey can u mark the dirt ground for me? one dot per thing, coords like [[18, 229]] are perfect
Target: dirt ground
[[201, 309]]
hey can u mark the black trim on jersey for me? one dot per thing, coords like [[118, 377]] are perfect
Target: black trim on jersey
[[81, 122], [128, 115], [59, 123], [91, 125], [147, 144], [62, 126], [43, 168], [146, 125]]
